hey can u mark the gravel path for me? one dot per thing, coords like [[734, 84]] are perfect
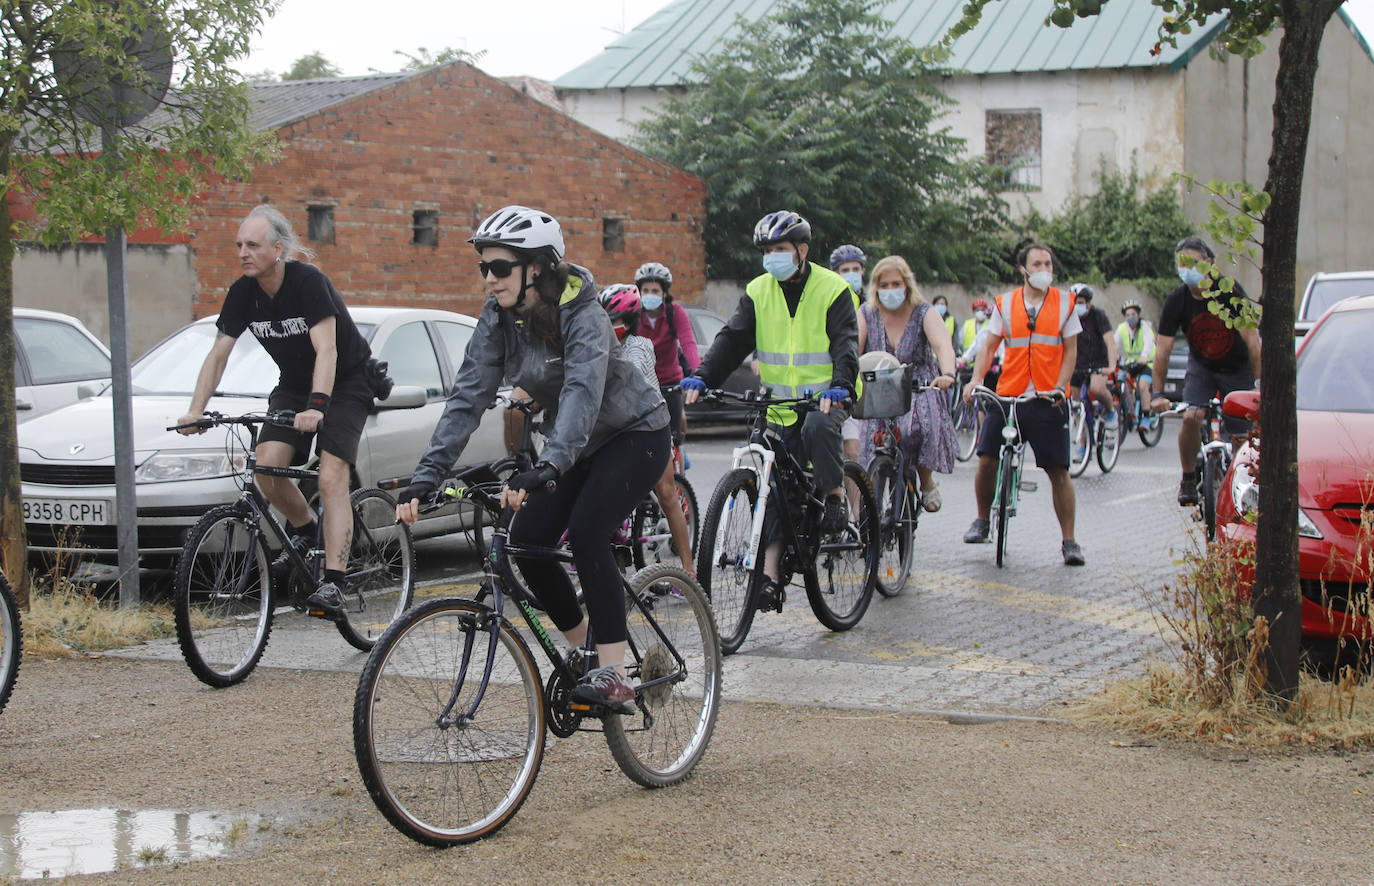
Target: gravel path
[[785, 794]]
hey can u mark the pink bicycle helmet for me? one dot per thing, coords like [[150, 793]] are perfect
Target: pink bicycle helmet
[[620, 300]]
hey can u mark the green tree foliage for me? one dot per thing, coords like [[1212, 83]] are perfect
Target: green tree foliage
[[423, 58], [815, 109], [312, 66], [51, 158], [1122, 232]]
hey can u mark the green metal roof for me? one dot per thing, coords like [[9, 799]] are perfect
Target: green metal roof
[[1011, 38]]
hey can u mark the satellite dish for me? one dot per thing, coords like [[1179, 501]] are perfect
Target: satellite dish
[[116, 102]]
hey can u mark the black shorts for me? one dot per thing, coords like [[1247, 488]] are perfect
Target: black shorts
[[1043, 424], [672, 395], [1202, 383], [342, 428]]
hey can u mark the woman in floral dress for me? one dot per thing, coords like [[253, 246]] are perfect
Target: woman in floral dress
[[896, 312]]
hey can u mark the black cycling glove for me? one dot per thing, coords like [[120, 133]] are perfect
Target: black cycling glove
[[423, 491], [535, 480]]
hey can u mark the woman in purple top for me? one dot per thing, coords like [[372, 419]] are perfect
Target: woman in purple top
[[666, 325]]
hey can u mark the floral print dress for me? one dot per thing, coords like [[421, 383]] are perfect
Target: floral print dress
[[927, 430]]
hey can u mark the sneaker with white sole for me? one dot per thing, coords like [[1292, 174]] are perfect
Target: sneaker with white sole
[[606, 687]]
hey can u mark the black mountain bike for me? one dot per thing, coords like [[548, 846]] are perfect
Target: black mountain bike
[[839, 569], [449, 718], [1213, 461], [224, 596], [896, 488], [11, 641]]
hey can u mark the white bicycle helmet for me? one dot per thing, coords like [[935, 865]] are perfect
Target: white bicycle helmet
[[875, 360], [520, 227], [652, 270]]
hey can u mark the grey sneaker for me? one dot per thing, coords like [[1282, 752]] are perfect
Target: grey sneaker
[[606, 687], [328, 599], [1073, 554], [1187, 491], [978, 533]]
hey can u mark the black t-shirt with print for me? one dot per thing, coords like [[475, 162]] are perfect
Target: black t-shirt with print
[[1092, 348], [282, 322], [1209, 340]]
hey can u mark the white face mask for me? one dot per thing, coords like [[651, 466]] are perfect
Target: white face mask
[[1040, 280], [854, 279], [980, 316], [1080, 310], [892, 298]]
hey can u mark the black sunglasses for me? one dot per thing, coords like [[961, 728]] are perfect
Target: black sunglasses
[[500, 267]]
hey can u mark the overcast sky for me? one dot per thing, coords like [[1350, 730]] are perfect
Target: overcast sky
[[541, 38]]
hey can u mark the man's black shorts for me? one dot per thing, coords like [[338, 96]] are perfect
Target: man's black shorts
[[1202, 383], [339, 433], [1043, 424]]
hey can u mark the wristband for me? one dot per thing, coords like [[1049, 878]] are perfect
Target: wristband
[[319, 402]]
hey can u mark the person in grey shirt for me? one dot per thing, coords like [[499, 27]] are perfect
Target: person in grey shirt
[[608, 438]]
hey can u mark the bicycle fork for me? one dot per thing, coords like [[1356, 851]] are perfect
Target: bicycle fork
[[763, 473]]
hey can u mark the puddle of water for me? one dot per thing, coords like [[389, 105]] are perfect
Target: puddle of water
[[92, 841]]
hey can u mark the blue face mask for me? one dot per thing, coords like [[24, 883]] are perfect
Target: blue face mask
[[943, 309], [651, 302], [891, 298], [854, 279], [779, 264], [1190, 276]]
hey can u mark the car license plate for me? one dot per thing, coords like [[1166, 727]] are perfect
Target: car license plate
[[74, 511]]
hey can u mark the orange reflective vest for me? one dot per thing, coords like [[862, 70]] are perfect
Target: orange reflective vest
[[1034, 353]]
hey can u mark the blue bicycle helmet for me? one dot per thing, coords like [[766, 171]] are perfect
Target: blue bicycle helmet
[[847, 252], [775, 227]]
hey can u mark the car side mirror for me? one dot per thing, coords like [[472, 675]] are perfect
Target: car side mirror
[[404, 397], [1242, 404], [87, 390]]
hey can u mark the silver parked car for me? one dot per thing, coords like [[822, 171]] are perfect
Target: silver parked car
[[55, 355], [67, 457]]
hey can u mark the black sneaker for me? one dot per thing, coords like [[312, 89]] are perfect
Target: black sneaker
[[978, 532], [836, 514], [606, 687], [771, 595], [1073, 554], [1187, 491], [328, 599]]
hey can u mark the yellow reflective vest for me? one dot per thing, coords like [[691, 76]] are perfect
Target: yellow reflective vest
[[794, 351]]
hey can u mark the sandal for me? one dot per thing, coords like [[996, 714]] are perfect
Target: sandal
[[930, 499]]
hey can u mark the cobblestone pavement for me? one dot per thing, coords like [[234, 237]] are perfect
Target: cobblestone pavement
[[964, 635]]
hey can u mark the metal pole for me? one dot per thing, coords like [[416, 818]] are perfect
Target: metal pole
[[126, 503]]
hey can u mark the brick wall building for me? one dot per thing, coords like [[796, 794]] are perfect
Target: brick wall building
[[385, 178]]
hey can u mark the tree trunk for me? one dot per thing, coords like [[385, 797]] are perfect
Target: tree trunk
[[1276, 595], [13, 542]]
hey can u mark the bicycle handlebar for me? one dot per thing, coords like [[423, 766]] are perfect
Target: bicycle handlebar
[[985, 391], [762, 401], [285, 418]]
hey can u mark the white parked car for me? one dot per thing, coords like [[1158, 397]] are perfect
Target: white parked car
[[67, 457], [54, 356]]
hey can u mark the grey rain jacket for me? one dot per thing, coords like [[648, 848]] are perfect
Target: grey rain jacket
[[589, 395]]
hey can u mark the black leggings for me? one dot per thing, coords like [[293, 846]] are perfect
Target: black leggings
[[592, 499]]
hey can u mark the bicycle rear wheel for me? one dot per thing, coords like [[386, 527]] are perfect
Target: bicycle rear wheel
[[896, 526], [440, 777], [380, 582], [847, 562], [651, 522], [1080, 438], [968, 422], [1108, 444], [223, 597], [1006, 491], [678, 701], [11, 641], [731, 586]]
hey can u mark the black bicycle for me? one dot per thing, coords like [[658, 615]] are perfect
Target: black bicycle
[[11, 641], [224, 596], [896, 488], [1213, 461], [839, 568], [449, 718]]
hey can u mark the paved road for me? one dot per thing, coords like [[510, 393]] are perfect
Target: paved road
[[964, 636]]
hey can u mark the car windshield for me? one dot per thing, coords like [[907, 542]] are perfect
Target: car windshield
[[1326, 293], [173, 366], [1333, 375]]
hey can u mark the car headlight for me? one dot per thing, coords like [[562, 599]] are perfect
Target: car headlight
[[1245, 493], [169, 467]]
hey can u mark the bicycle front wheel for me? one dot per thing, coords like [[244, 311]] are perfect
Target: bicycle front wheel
[[968, 422], [896, 525], [223, 597], [1108, 444], [1080, 438], [380, 583], [11, 641], [649, 530], [847, 562], [1150, 436], [731, 585], [1006, 490], [674, 661], [440, 776]]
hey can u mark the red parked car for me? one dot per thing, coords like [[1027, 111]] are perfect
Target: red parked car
[[1335, 483]]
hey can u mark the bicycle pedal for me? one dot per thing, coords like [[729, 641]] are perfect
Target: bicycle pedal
[[1029, 485]]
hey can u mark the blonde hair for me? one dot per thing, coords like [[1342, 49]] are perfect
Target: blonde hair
[[889, 263]]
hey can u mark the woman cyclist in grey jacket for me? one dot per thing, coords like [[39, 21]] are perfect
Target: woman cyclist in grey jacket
[[542, 327]]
